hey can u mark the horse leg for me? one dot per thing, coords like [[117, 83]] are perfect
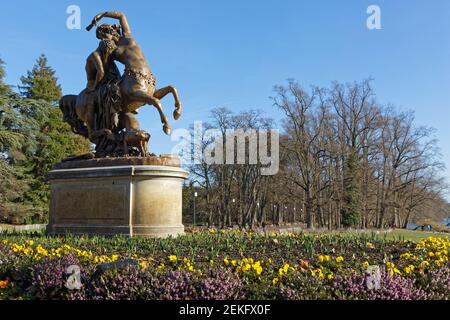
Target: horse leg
[[125, 146], [90, 119], [148, 99], [145, 147], [161, 93], [141, 149]]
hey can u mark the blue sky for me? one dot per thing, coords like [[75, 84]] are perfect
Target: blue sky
[[231, 53]]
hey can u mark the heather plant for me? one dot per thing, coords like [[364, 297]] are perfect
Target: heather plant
[[391, 287], [436, 283], [221, 284], [49, 277], [129, 283], [177, 285]]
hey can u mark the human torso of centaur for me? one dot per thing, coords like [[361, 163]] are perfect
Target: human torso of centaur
[[131, 56]]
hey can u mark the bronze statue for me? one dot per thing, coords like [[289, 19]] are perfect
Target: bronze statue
[[105, 112], [101, 59]]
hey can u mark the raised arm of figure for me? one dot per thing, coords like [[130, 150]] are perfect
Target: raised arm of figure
[[114, 15]]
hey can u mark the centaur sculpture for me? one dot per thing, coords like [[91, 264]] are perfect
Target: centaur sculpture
[[105, 112]]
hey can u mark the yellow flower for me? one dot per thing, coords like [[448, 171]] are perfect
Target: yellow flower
[[233, 263], [323, 258], [173, 258], [275, 281], [226, 261], [17, 248], [366, 264], [115, 257], [246, 267], [330, 276], [286, 268], [339, 259], [405, 256], [143, 264], [212, 230], [409, 269], [257, 267]]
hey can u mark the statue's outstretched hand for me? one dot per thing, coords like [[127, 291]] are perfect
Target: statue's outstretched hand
[[95, 20]]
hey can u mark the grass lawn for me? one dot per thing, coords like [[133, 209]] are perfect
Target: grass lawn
[[414, 235], [395, 234]]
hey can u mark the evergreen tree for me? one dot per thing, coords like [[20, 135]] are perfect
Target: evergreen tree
[[41, 82], [15, 131], [4, 88], [54, 139]]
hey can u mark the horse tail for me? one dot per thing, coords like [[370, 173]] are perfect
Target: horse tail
[[67, 104]]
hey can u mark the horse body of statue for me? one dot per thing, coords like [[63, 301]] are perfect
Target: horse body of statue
[[109, 104]]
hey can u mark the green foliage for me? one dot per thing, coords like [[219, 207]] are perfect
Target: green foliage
[[3, 87], [40, 82], [55, 142], [350, 214], [33, 136], [15, 144]]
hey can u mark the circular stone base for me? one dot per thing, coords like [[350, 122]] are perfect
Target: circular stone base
[[134, 200]]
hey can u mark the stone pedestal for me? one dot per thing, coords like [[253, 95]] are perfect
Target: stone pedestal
[[128, 196]]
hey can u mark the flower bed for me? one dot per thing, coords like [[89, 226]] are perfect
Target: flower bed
[[224, 265]]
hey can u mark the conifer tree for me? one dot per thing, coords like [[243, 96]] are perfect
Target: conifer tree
[[54, 139], [14, 130], [41, 82]]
